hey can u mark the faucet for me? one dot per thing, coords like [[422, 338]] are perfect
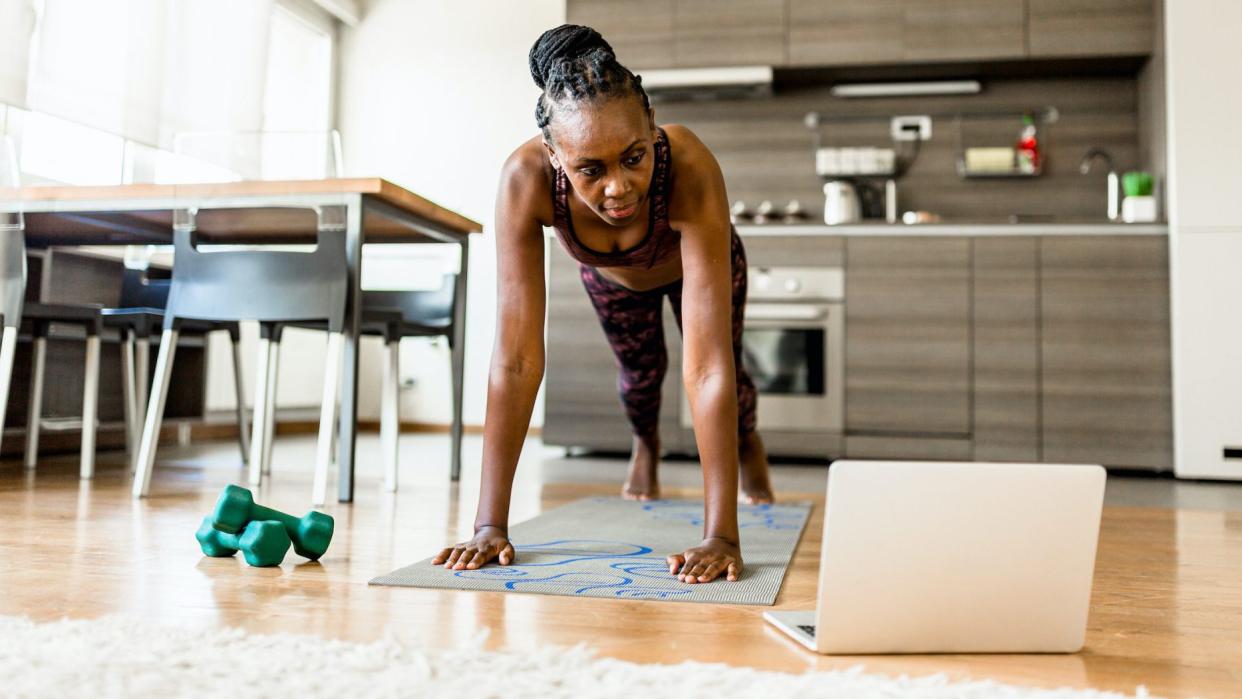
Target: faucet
[[1114, 182]]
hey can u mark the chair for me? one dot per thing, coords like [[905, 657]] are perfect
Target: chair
[[40, 316], [269, 286], [392, 315], [138, 318], [140, 310]]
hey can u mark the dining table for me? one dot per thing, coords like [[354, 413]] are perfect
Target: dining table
[[366, 210]]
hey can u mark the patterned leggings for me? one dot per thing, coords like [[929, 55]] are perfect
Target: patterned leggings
[[634, 325]]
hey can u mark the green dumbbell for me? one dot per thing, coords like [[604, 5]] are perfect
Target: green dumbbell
[[310, 533], [262, 543]]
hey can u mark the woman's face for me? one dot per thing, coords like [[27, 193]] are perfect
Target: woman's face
[[608, 151]]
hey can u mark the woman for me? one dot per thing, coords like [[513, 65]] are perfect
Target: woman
[[644, 210]]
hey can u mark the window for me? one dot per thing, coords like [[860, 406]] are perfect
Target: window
[[297, 97], [56, 151]]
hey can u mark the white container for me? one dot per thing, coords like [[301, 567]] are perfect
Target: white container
[[828, 162], [849, 161], [867, 161], [1138, 209], [841, 204], [885, 161]]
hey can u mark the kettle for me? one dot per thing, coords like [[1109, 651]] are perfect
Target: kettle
[[841, 203]]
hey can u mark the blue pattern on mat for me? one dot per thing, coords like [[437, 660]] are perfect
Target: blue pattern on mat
[[748, 516], [636, 563]]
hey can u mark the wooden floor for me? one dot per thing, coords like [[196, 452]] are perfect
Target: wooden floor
[[1166, 610]]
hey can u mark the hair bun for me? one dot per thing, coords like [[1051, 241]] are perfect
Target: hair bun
[[564, 43]]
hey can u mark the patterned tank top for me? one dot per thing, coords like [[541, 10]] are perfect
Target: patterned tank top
[[661, 242]]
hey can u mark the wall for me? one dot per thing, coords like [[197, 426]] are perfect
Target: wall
[[434, 96], [766, 151]]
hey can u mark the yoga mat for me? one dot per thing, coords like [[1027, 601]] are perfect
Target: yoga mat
[[611, 547]]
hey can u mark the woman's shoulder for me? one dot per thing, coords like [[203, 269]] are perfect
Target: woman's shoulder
[[527, 177], [695, 175], [691, 160], [685, 148]]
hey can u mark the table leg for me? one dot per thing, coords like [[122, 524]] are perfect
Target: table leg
[[459, 358], [349, 355]]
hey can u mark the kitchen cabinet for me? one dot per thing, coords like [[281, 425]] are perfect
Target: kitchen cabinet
[[1105, 350], [687, 33], [844, 33], [907, 337], [1089, 27], [728, 32], [703, 33], [640, 31], [582, 407], [895, 31], [952, 30], [1006, 348]]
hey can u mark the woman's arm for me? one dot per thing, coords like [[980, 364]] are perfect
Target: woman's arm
[[517, 360], [700, 211]]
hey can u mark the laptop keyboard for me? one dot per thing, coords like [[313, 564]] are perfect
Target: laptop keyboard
[[808, 628]]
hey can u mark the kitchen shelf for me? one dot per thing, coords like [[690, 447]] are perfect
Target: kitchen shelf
[[1043, 117], [998, 175]]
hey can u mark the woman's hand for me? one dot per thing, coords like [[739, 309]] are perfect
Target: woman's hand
[[705, 562], [488, 543]]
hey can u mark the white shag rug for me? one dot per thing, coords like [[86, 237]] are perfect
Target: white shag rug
[[129, 657]]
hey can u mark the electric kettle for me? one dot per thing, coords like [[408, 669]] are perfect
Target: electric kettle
[[841, 203]]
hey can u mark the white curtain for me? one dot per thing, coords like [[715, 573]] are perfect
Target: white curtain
[[216, 66], [17, 23], [145, 69]]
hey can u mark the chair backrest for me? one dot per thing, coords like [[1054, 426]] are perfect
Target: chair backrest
[[12, 238], [258, 284], [140, 290], [427, 306]]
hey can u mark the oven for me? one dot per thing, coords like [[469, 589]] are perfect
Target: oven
[[793, 345]]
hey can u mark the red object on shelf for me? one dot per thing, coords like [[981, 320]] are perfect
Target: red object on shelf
[[1028, 146]]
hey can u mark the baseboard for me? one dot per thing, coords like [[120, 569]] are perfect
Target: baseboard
[[112, 436], [227, 430]]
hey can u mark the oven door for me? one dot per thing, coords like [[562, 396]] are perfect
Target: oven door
[[794, 354]]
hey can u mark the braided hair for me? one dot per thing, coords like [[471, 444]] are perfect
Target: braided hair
[[573, 63]]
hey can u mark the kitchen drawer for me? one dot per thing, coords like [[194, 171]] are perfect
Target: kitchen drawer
[[794, 250]]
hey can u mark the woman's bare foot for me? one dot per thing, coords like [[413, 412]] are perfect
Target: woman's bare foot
[[756, 487], [643, 482]]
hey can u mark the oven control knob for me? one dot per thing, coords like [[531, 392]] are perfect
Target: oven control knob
[[762, 281], [793, 286]]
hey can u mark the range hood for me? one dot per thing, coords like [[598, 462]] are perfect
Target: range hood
[[707, 83]]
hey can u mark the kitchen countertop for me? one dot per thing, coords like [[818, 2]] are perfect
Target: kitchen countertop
[[998, 228]]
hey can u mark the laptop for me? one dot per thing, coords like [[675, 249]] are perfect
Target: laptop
[[942, 557]]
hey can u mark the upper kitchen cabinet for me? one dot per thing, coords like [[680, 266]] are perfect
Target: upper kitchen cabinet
[[847, 32], [640, 31], [1057, 28], [953, 30], [907, 336], [728, 33], [844, 32], [650, 34]]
